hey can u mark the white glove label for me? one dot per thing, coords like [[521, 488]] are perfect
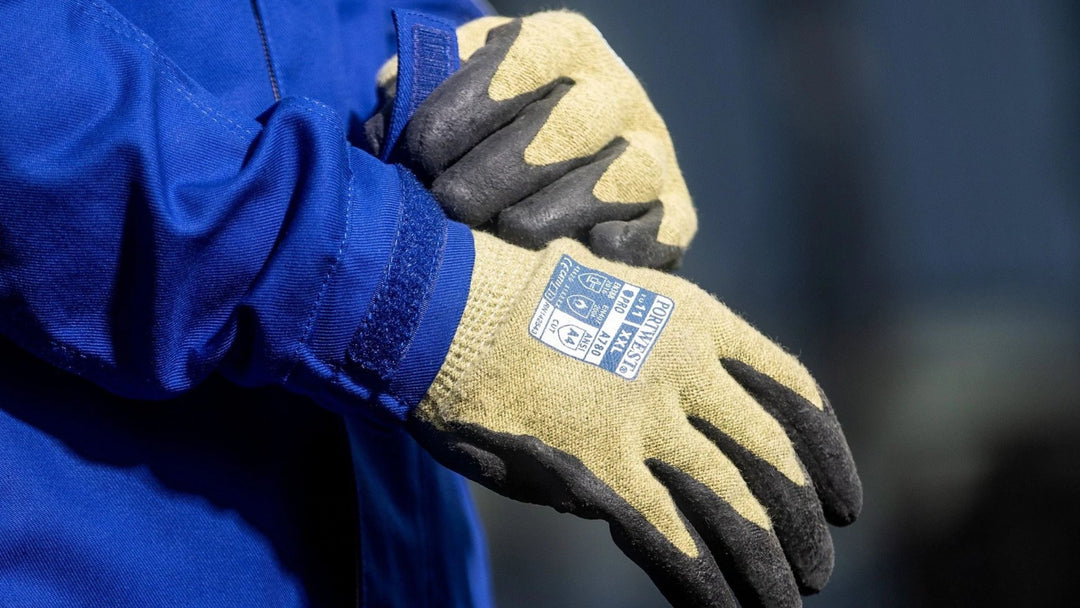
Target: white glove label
[[599, 319]]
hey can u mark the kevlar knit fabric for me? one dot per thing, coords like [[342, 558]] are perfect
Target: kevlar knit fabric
[[545, 133], [684, 459]]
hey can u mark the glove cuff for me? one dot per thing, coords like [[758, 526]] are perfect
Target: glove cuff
[[500, 271]]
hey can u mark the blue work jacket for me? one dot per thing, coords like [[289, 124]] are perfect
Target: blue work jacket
[[216, 310]]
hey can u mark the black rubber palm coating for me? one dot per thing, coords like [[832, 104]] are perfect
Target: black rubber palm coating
[[819, 441], [470, 151]]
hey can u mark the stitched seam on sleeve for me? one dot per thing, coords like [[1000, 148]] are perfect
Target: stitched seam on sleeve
[[168, 70], [106, 18], [309, 325]]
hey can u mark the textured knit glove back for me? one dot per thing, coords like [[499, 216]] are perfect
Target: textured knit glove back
[[633, 396], [545, 133]]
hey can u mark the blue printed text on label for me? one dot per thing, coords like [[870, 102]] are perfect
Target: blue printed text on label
[[600, 319]]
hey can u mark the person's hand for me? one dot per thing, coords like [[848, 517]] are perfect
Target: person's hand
[[545, 133], [631, 395]]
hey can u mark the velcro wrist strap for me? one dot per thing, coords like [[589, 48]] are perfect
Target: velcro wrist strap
[[427, 51], [427, 55], [402, 295]]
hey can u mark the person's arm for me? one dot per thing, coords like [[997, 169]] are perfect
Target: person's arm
[[148, 236]]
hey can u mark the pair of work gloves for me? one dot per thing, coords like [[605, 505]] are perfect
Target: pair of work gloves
[[583, 379]]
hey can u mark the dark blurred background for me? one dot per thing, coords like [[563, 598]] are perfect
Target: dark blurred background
[[890, 189]]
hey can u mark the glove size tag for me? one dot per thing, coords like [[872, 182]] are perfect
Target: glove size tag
[[599, 319]]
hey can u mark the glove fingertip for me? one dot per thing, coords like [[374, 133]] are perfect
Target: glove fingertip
[[845, 504], [634, 242], [818, 438], [845, 493]]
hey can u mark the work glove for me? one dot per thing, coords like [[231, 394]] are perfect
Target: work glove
[[545, 133], [631, 395]]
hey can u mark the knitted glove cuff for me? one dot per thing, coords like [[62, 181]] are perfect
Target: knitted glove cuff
[[499, 272]]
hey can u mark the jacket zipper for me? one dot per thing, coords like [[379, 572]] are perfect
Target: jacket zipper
[[266, 50]]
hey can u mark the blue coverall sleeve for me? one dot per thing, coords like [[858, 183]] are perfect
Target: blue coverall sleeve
[[149, 235]]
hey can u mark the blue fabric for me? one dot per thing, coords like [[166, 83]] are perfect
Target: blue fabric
[[391, 576], [164, 220], [427, 55]]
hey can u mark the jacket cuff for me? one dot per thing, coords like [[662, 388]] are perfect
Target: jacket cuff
[[412, 316], [430, 344], [358, 303]]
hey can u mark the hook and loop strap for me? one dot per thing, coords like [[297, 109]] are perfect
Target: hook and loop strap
[[427, 55]]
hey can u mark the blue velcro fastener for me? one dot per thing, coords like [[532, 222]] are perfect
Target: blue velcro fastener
[[402, 296], [427, 55]]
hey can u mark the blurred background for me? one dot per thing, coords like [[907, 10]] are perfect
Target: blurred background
[[890, 189]]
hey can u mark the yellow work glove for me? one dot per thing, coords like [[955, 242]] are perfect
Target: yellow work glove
[[631, 395], [545, 133]]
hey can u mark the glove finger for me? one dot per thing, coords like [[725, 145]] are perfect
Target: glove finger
[[569, 208], [460, 113], [524, 468], [646, 524], [685, 581], [786, 390], [819, 441], [761, 449], [635, 241], [710, 491], [738, 340], [494, 174]]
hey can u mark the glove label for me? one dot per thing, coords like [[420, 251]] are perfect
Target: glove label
[[599, 319]]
